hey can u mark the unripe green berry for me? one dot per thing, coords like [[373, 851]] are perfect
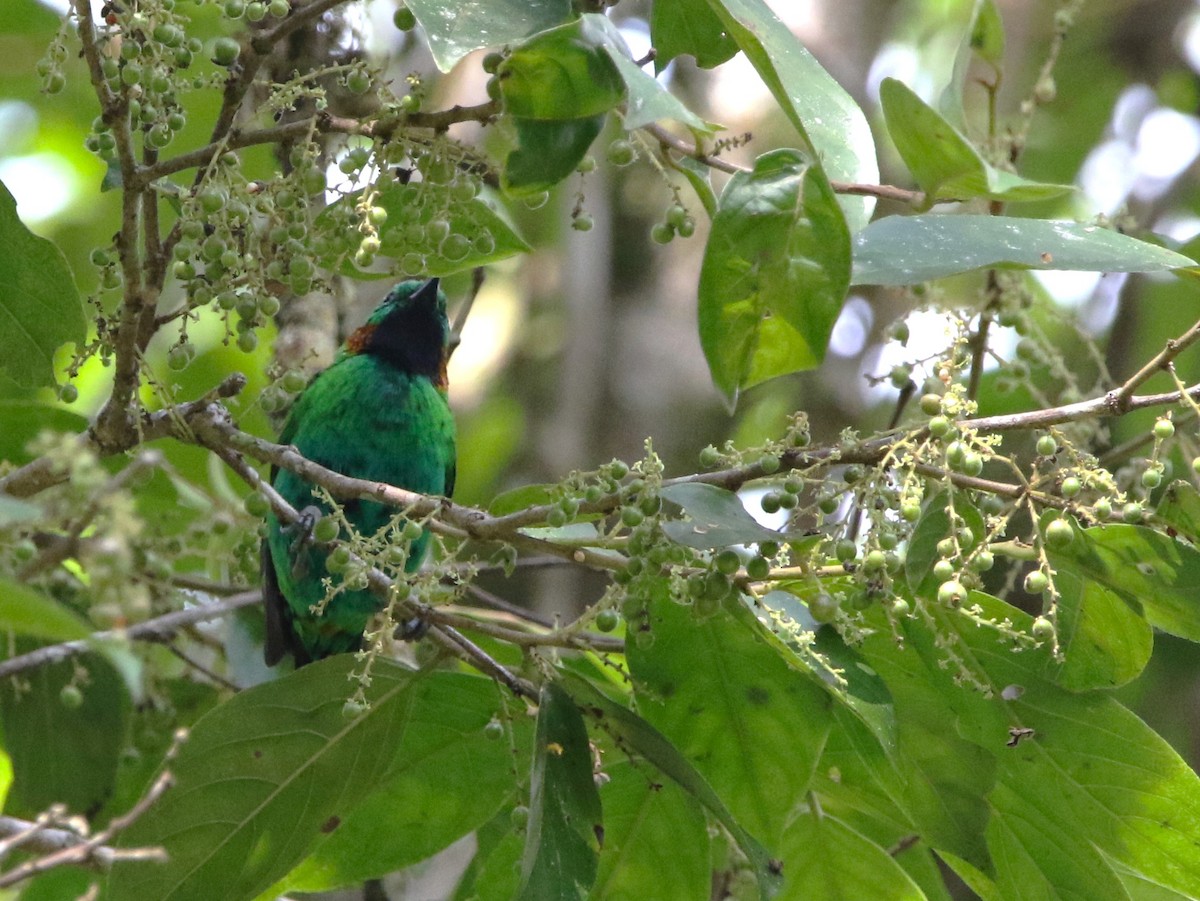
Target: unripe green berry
[[1151, 478], [1042, 629], [956, 453], [823, 608], [1102, 509], [900, 607], [620, 152], [951, 593], [1059, 533], [68, 393], [769, 464], [491, 62], [727, 562], [404, 19], [226, 50], [1164, 429], [983, 561], [873, 562], [1046, 445], [256, 505], [494, 730], [607, 620], [910, 511], [70, 697], [1036, 582], [939, 427], [1132, 512], [771, 502], [931, 404], [758, 568], [247, 342], [662, 233], [1071, 486], [943, 570], [845, 550], [326, 529]]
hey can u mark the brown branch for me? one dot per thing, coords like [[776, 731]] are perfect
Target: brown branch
[[1160, 362], [64, 848], [160, 629], [883, 192]]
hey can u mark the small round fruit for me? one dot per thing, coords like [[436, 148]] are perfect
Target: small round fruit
[[358, 82], [710, 457], [983, 561], [494, 730], [939, 427], [225, 51], [1059, 533], [951, 593], [1151, 478], [583, 222], [728, 562], [943, 571], [1102, 509], [256, 505], [1047, 446], [758, 568], [900, 607], [661, 233], [68, 394], [620, 152], [823, 608], [1164, 429], [1071, 486], [931, 404], [1132, 512], [1042, 629], [1036, 582], [607, 620], [70, 697], [404, 19], [326, 529], [771, 502]]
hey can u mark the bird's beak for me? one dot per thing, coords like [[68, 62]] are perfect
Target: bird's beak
[[427, 293]]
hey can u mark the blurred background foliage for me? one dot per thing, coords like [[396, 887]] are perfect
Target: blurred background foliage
[[585, 348]]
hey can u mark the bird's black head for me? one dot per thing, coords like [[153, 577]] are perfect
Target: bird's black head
[[409, 330]]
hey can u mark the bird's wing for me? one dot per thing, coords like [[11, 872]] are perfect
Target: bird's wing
[[451, 474], [281, 638]]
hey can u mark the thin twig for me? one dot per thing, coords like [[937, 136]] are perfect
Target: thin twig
[[1161, 360]]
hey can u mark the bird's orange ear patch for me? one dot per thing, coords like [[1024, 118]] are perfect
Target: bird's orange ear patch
[[358, 341]]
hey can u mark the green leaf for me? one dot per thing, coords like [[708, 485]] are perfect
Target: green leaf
[[651, 829], [411, 208], [423, 805], [561, 74], [1085, 788], [1105, 641], [716, 518], [1151, 571], [987, 34], [21, 421], [63, 753], [649, 101], [699, 176], [263, 776], [688, 26], [942, 161], [454, 28], [521, 497], [908, 250], [40, 309], [826, 860], [932, 527], [726, 697], [825, 115], [565, 829], [547, 152], [774, 274], [27, 611], [1180, 510], [637, 735]]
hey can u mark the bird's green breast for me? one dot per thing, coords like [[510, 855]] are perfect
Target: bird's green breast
[[366, 419]]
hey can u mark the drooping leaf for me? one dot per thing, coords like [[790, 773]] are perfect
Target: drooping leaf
[[908, 250], [651, 827], [699, 176], [547, 152], [1155, 573], [1180, 510], [455, 28], [689, 26], [26, 611], [637, 735], [820, 109], [775, 273], [987, 33], [980, 34], [40, 308], [520, 498], [826, 860], [649, 101], [63, 752], [716, 518], [733, 705], [942, 161], [565, 829], [421, 807], [561, 74], [263, 776]]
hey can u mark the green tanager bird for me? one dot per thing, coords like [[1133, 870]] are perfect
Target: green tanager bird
[[380, 413]]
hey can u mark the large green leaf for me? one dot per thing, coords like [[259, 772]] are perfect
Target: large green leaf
[[263, 776], [651, 828], [1180, 510], [635, 735], [40, 308], [1106, 642], [561, 74], [456, 27], [565, 830], [820, 109], [942, 161], [774, 275], [647, 100], [26, 611], [716, 518], [547, 152], [733, 705], [62, 752], [1154, 572], [827, 860], [688, 26], [1076, 784], [422, 806], [21, 421], [908, 250]]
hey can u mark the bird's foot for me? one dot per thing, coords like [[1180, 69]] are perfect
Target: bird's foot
[[303, 527], [411, 629]]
